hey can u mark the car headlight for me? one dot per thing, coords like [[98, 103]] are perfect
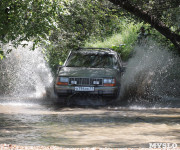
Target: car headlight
[[62, 81], [109, 82]]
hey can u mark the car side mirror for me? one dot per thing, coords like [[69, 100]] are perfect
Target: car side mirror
[[59, 67]]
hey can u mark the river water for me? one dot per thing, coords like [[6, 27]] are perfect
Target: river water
[[45, 123]]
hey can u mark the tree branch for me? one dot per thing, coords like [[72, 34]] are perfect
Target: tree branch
[[155, 22]]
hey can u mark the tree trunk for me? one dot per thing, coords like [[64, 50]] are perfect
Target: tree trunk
[[155, 23]]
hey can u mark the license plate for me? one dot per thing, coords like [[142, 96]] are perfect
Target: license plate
[[84, 88]]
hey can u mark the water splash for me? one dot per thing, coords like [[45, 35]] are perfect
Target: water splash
[[24, 73], [152, 74]]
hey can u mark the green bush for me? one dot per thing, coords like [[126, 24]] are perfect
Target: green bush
[[122, 42]]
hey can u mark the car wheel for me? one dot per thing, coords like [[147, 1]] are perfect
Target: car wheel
[[117, 95]]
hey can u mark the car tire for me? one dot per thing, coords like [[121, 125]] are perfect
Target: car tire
[[117, 95]]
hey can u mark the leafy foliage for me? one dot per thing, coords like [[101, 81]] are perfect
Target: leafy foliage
[[84, 19], [62, 25], [123, 41], [164, 10], [27, 19], [156, 14]]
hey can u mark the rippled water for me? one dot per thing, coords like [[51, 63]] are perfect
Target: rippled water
[[26, 123]]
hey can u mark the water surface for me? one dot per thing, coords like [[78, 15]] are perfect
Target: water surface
[[26, 123]]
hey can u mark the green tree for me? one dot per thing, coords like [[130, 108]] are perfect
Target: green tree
[[28, 20], [158, 13], [83, 19]]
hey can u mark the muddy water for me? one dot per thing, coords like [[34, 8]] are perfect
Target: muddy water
[[122, 126]]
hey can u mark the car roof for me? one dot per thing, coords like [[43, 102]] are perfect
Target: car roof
[[95, 51]]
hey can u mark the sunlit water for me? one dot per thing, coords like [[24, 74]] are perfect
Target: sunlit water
[[34, 124]]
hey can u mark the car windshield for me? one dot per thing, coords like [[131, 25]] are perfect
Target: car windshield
[[91, 60]]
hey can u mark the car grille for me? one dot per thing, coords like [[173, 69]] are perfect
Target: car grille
[[85, 81]]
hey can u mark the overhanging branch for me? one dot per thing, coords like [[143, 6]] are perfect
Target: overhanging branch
[[155, 22]]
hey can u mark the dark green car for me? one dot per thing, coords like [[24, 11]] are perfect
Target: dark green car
[[95, 71]]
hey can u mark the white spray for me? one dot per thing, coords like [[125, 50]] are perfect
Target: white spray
[[25, 73], [152, 73]]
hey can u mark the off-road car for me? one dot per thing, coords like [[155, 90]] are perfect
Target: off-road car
[[95, 71]]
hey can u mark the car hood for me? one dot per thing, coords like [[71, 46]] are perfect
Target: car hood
[[87, 72]]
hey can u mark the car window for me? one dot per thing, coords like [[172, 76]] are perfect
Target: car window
[[92, 60]]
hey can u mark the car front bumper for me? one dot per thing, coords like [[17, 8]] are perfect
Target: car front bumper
[[98, 90]]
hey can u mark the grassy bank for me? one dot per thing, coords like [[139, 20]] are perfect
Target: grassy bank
[[122, 42]]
